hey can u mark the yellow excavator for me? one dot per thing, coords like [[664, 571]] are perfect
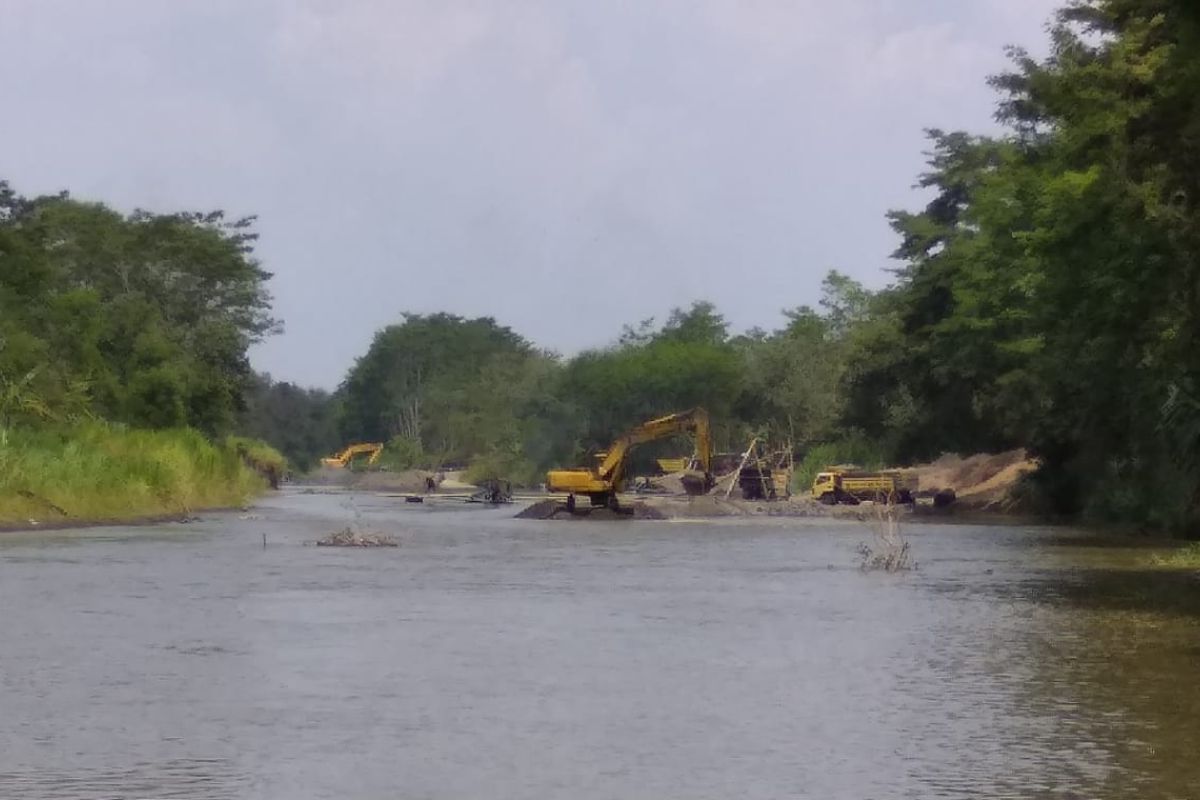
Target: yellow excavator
[[600, 483], [342, 459]]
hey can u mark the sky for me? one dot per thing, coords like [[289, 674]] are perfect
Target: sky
[[565, 166]]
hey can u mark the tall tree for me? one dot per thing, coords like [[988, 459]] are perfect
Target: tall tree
[[152, 313]]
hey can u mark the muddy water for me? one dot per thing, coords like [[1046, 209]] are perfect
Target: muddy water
[[494, 658]]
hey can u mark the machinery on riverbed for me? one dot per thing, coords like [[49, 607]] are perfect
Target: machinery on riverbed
[[763, 473], [601, 482], [343, 458], [851, 486]]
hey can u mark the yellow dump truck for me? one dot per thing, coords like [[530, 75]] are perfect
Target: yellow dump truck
[[837, 485], [669, 465]]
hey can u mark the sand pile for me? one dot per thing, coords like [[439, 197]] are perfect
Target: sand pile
[[411, 480], [327, 476], [671, 483], [981, 479], [454, 482], [705, 507], [676, 483]]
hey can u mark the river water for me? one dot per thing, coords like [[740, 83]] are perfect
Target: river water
[[490, 657]]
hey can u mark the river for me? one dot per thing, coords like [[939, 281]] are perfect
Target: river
[[489, 657]]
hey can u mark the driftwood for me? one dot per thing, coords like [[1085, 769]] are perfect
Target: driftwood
[[890, 552], [348, 538]]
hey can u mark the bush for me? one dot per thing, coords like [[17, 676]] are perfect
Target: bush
[[511, 467], [261, 457], [1185, 558], [101, 472], [402, 453]]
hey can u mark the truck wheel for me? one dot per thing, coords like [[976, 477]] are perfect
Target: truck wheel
[[828, 499]]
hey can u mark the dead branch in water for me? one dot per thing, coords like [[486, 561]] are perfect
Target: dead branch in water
[[888, 551], [349, 538]]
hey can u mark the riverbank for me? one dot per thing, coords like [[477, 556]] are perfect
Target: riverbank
[[97, 474]]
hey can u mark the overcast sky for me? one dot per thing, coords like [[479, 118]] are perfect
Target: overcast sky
[[565, 166]]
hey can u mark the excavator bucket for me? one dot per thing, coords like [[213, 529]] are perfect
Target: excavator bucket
[[696, 483]]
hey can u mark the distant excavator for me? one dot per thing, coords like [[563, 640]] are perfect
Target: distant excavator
[[342, 459], [600, 483]]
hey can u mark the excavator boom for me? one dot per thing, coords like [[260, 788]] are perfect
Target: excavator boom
[[600, 484], [343, 458]]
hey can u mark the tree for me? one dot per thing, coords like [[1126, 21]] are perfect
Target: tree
[[151, 313], [301, 423], [1051, 290], [689, 362], [417, 379]]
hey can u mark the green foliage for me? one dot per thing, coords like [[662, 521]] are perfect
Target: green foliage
[[620, 387], [300, 423], [402, 453], [97, 472], [1051, 295], [512, 467], [258, 455], [443, 389], [794, 385], [1186, 557], [141, 318], [394, 389]]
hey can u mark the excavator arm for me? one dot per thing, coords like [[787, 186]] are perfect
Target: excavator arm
[[600, 484], [694, 422], [340, 460]]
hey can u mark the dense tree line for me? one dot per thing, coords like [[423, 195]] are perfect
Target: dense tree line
[[142, 319], [1048, 296], [1051, 289], [300, 422], [441, 389]]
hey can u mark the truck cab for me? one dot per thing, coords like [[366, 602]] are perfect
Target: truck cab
[[825, 487]]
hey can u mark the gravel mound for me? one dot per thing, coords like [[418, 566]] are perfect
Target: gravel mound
[[556, 509]]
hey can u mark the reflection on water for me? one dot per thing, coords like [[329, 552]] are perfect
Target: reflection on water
[[185, 778], [491, 657]]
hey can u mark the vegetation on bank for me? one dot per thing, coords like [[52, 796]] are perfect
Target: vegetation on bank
[[123, 366], [1184, 558], [261, 457], [96, 472], [1047, 298]]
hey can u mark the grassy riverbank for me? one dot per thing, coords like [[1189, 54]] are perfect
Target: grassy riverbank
[[102, 473], [1187, 557]]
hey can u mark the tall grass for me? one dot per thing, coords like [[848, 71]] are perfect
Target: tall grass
[[506, 466], [1187, 557], [101, 472], [264, 459]]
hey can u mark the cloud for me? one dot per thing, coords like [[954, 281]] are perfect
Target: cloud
[[564, 165], [404, 45]]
